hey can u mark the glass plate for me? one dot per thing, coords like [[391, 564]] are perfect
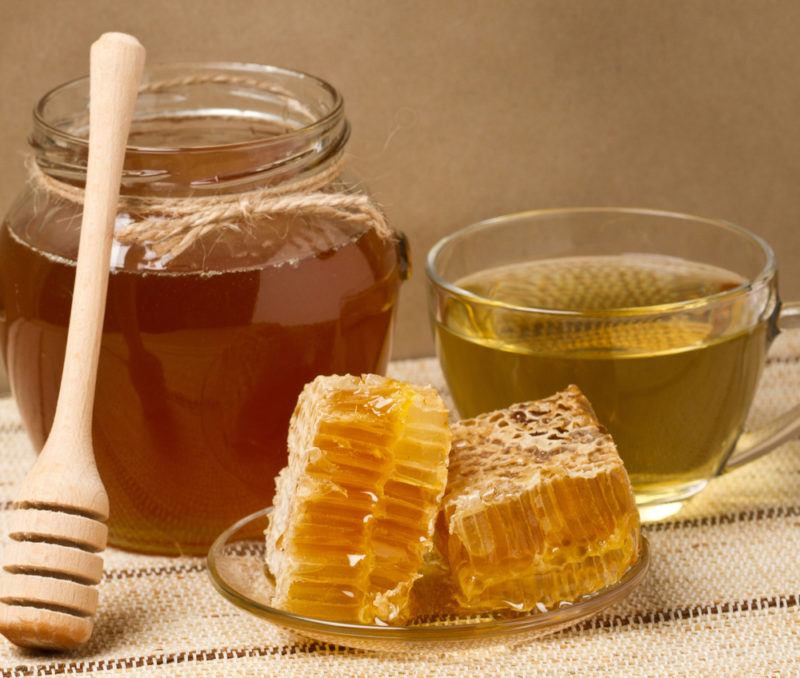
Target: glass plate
[[236, 565]]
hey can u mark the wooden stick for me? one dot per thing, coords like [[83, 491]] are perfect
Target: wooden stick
[[47, 597]]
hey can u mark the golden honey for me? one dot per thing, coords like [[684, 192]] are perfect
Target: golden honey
[[198, 374]]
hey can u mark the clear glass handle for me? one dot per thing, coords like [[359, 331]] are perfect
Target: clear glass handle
[[754, 444]]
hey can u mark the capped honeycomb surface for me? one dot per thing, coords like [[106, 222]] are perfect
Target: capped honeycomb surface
[[354, 510], [538, 509]]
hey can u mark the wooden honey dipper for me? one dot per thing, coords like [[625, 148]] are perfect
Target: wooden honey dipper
[[57, 530]]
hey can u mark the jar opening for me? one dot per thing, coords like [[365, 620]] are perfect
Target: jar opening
[[216, 126]]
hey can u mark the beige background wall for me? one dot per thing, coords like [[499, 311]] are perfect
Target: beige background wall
[[467, 109]]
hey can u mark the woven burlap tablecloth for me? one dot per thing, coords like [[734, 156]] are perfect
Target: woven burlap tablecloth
[[721, 597]]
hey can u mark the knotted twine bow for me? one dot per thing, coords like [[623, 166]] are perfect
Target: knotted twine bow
[[169, 226]]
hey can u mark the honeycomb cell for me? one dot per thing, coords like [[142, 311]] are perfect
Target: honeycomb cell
[[355, 508], [538, 509]]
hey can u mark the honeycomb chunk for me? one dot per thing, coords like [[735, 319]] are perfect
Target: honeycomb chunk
[[538, 507], [355, 509]]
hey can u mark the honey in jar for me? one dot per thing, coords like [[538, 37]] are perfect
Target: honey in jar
[[205, 348]]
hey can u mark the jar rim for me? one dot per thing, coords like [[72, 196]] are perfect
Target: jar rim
[[330, 118]]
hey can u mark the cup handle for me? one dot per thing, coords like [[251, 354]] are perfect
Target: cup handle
[[754, 444]]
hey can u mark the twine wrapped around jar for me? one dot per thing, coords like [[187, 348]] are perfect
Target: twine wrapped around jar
[[169, 226]]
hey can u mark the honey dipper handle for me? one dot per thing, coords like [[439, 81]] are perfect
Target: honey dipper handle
[[117, 61], [52, 561]]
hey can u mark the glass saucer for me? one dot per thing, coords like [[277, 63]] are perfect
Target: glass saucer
[[236, 566]]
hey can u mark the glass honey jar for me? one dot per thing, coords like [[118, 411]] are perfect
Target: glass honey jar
[[244, 264]]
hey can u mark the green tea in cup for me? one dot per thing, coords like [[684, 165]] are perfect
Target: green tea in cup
[[662, 320]]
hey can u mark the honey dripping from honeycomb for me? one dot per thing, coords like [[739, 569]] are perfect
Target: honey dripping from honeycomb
[[355, 508], [538, 509]]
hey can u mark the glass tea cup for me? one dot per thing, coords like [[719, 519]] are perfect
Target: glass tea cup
[[662, 319]]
